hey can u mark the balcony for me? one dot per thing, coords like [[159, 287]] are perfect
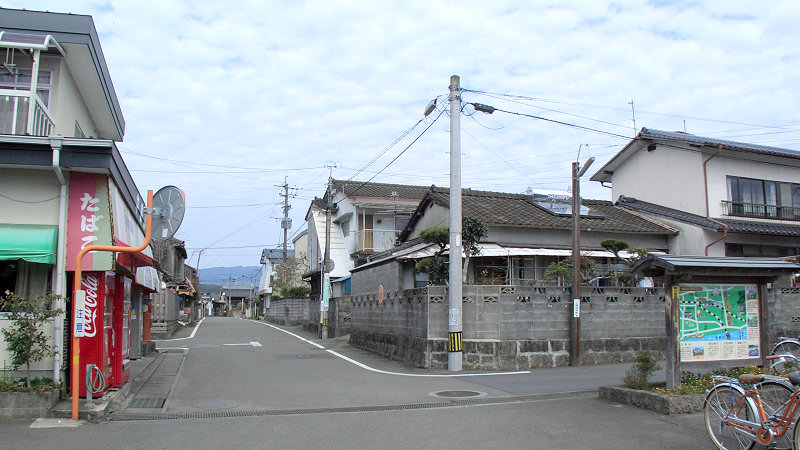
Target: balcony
[[372, 240], [14, 110], [760, 211]]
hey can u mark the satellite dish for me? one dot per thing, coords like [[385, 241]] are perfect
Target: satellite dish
[[168, 208]]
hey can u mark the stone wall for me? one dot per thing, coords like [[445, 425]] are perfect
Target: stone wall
[[338, 316]]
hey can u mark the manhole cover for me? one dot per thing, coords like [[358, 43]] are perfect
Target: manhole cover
[[458, 394], [215, 404], [157, 403]]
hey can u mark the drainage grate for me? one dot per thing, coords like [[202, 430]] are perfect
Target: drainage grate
[[156, 403], [216, 404], [458, 394], [120, 417]]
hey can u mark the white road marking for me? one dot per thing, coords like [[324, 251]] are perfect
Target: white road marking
[[253, 344], [191, 336], [372, 369]]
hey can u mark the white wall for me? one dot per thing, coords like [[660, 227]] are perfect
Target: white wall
[[666, 176], [29, 197], [67, 104]]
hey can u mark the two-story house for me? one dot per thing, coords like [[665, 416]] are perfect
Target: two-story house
[[726, 198], [64, 185], [366, 218]]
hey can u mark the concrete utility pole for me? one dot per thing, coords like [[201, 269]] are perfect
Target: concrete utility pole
[[575, 328], [454, 335], [286, 223], [326, 261]]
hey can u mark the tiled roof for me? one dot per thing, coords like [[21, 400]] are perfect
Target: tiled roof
[[736, 226], [353, 188], [499, 208], [648, 133]]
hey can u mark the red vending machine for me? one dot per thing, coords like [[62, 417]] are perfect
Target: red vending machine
[[121, 351], [98, 339]]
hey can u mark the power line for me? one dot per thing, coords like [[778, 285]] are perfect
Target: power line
[[400, 154], [478, 106]]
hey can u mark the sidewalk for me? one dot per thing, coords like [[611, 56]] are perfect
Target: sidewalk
[[141, 371]]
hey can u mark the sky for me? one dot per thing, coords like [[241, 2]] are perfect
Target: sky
[[229, 100]]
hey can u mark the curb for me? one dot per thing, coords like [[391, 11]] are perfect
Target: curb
[[662, 403]]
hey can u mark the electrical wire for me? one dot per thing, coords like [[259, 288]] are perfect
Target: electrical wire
[[593, 130], [400, 154], [29, 202]]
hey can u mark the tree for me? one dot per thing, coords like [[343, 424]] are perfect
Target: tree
[[25, 338], [288, 275], [615, 247], [561, 271], [472, 231], [437, 267]]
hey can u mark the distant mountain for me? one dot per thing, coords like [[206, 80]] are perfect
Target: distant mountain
[[236, 275]]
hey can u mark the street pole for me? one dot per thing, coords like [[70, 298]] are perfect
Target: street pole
[[575, 326], [285, 222], [454, 335], [326, 269]]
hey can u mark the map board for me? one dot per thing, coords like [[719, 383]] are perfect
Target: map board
[[718, 322]]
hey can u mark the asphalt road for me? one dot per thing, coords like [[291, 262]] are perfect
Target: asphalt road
[[247, 384]]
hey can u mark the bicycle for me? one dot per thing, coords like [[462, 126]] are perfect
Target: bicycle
[[783, 361], [787, 345], [737, 418]]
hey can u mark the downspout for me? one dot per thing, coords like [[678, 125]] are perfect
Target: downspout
[[56, 143], [705, 190]]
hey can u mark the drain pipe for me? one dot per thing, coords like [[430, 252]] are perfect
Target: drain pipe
[[708, 214], [56, 143]]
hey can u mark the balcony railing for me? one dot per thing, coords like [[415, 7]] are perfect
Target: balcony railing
[[14, 107], [371, 240], [760, 211]]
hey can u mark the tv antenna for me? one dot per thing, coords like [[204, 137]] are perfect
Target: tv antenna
[[169, 206]]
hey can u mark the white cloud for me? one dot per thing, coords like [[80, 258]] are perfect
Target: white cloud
[[258, 91]]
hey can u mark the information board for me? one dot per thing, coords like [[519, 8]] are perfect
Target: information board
[[718, 322]]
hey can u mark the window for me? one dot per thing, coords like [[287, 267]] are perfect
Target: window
[[8, 276], [750, 197]]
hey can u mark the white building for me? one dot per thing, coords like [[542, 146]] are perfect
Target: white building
[[726, 198]]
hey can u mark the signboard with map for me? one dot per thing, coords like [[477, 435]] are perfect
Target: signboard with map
[[718, 322]]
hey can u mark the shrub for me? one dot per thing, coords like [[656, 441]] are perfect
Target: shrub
[[638, 376], [25, 338]]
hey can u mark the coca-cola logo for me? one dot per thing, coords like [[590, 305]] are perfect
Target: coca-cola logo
[[90, 284]]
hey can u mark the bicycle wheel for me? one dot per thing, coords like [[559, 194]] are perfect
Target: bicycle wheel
[[775, 398], [791, 346], [721, 403]]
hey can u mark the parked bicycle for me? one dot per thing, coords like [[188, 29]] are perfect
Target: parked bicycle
[[783, 361], [767, 413], [787, 345]]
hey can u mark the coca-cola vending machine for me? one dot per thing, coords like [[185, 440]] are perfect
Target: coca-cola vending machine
[[121, 351], [98, 335]]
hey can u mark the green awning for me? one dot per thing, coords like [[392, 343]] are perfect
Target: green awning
[[33, 243]]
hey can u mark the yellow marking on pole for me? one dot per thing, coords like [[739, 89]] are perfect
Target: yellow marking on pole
[[454, 343]]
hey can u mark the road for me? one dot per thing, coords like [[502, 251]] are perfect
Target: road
[[233, 383]]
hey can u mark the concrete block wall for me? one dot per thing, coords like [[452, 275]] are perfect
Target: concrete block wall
[[287, 311], [783, 307], [510, 327]]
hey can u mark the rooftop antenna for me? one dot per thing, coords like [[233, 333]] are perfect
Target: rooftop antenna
[[633, 114]]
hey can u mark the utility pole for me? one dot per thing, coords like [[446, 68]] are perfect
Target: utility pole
[[326, 261], [575, 328], [286, 223], [454, 335]]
